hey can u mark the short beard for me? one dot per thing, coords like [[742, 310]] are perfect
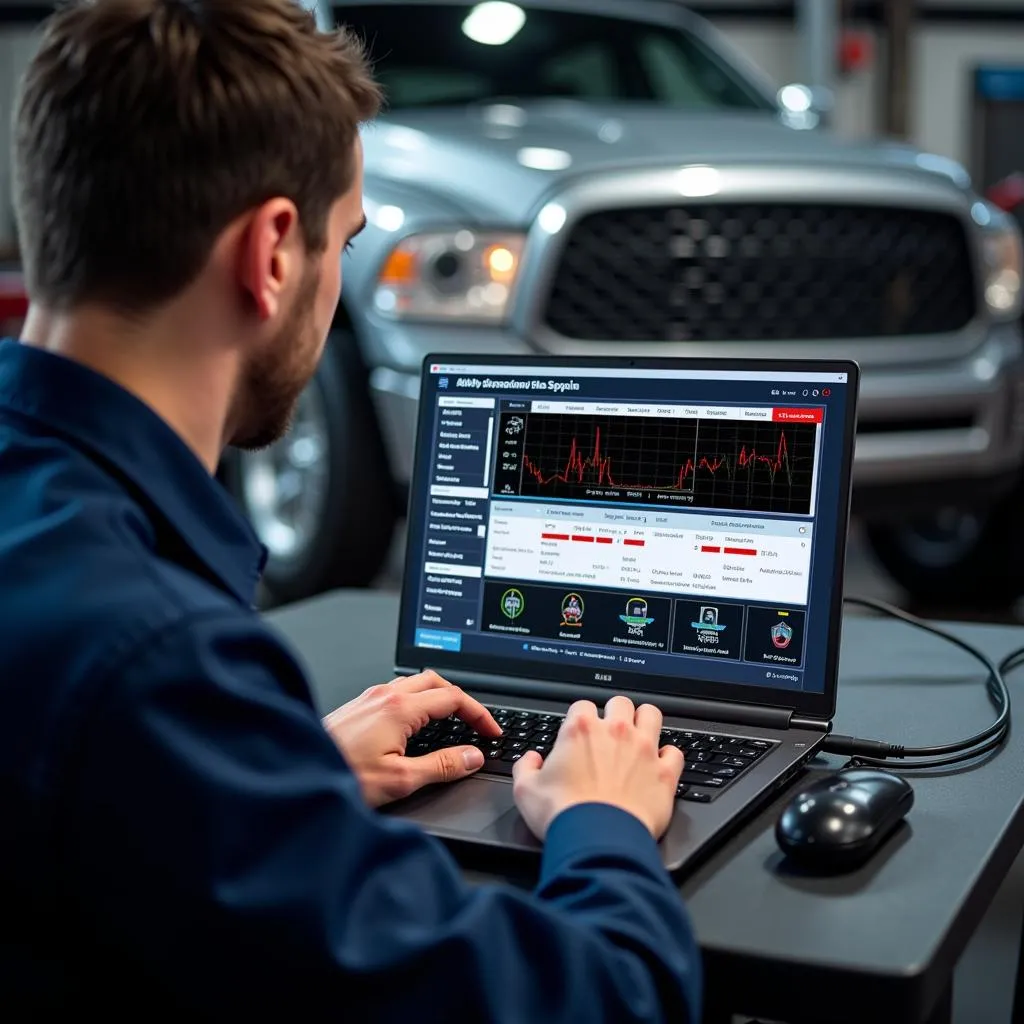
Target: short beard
[[274, 380]]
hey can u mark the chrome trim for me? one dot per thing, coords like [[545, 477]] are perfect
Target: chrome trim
[[886, 186]]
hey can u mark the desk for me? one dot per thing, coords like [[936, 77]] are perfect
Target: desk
[[881, 943]]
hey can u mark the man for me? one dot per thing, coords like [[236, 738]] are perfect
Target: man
[[182, 835]]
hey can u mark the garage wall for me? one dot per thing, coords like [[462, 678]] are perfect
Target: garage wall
[[943, 55], [944, 58]]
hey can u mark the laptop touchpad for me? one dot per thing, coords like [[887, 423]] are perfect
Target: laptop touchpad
[[468, 807]]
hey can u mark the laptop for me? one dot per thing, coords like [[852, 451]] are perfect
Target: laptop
[[670, 529]]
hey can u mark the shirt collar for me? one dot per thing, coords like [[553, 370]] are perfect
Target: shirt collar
[[92, 412]]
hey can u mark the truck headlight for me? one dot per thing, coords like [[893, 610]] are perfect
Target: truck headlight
[[1004, 270], [459, 275]]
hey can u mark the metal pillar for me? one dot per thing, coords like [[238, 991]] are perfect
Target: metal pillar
[[818, 28], [899, 22]]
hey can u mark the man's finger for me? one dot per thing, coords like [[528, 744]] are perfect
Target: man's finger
[[649, 721], [451, 700], [581, 709], [447, 765], [428, 680], [619, 709], [673, 757], [529, 764]]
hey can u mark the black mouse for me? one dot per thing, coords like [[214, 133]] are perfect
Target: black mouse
[[838, 822]]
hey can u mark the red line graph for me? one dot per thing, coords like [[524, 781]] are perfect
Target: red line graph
[[598, 467]]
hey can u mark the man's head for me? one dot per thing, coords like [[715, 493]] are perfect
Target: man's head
[[199, 151]]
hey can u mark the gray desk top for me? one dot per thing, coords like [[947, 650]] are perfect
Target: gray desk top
[[886, 936]]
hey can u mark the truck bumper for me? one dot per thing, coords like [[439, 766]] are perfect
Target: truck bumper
[[949, 433]]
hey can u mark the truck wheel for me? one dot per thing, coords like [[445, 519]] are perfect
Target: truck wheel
[[321, 499], [957, 559]]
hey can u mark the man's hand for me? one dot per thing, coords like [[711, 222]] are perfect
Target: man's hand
[[372, 731], [612, 760]]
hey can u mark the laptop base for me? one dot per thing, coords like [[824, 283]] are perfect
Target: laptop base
[[481, 811]]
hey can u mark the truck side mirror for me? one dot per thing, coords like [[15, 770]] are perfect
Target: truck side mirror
[[804, 106]]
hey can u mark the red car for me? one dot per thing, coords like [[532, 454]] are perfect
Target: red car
[[13, 303], [1008, 194]]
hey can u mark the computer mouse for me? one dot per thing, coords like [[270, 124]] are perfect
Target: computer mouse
[[838, 822]]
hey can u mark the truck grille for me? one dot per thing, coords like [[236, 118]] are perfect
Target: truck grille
[[762, 272]]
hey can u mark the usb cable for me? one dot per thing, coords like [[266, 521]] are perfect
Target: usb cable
[[879, 754]]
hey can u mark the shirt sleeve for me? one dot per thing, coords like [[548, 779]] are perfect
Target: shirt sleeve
[[220, 853]]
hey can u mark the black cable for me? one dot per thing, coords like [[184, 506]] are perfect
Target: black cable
[[879, 754], [1002, 701]]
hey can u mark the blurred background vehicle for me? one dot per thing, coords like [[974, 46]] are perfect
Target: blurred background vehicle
[[584, 176], [580, 176], [1008, 195], [13, 300]]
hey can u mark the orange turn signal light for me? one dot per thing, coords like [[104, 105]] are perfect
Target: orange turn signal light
[[401, 268]]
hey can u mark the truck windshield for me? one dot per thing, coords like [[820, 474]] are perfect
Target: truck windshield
[[453, 54]]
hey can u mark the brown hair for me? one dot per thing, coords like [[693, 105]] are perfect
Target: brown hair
[[145, 127]]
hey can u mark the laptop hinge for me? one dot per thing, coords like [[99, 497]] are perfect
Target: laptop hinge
[[815, 724], [676, 707]]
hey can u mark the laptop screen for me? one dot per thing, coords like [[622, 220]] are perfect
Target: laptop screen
[[669, 527]]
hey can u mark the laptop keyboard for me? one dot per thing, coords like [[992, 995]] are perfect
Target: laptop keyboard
[[713, 761]]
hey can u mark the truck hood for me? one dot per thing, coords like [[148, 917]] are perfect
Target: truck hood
[[498, 162]]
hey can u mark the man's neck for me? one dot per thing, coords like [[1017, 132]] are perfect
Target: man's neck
[[186, 383]]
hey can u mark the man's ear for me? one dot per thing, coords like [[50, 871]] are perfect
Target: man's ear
[[269, 256]]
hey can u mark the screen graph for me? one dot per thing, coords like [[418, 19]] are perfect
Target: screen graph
[[708, 463]]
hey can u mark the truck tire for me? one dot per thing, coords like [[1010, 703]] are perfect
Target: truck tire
[[957, 559], [321, 499]]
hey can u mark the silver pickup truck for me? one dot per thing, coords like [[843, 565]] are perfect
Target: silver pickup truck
[[585, 177]]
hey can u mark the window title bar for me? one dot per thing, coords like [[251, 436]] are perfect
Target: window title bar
[[762, 413], [521, 373]]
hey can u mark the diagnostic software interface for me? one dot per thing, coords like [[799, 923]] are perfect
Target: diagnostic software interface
[[671, 523]]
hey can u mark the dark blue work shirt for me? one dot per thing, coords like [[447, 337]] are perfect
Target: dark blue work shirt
[[180, 834]]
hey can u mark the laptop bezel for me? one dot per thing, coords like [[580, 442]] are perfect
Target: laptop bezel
[[817, 705]]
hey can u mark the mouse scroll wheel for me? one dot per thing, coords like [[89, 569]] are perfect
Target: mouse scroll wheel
[[837, 786]]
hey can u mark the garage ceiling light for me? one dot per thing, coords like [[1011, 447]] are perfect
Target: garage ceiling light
[[494, 23]]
